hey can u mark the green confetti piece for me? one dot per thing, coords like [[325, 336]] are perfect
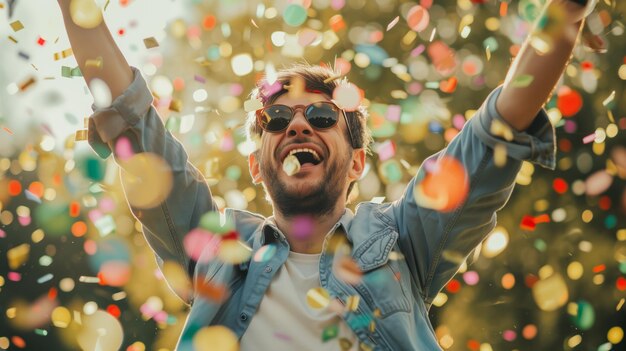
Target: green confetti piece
[[522, 81], [585, 316], [330, 332], [540, 245], [41, 332], [76, 72], [294, 15], [66, 72], [211, 221]]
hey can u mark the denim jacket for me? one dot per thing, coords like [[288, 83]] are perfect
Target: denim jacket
[[395, 294]]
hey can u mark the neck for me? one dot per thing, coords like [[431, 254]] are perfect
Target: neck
[[306, 233]]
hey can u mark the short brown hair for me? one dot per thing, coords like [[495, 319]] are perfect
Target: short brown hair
[[316, 78]]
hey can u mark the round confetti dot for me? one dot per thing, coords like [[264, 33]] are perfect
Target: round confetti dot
[[598, 182], [199, 243], [265, 253], [529, 331], [294, 15], [147, 180], [61, 317], [569, 101], [317, 298], [242, 64], [509, 335], [79, 229], [471, 277], [114, 273], [233, 252], [85, 13], [615, 335], [559, 185], [444, 187], [418, 18], [100, 331], [550, 293], [347, 96], [15, 187], [101, 93], [215, 338]]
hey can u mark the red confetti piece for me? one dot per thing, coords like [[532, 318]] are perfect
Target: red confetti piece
[[559, 185], [212, 291], [74, 209], [473, 345], [605, 203], [448, 86], [15, 188], [621, 284], [504, 7], [528, 223], [209, 22], [337, 23], [114, 311], [599, 268], [544, 218], [453, 286], [569, 101], [18, 341], [52, 293], [530, 280], [121, 31], [41, 41]]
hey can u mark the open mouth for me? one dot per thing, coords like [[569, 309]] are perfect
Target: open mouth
[[305, 156]]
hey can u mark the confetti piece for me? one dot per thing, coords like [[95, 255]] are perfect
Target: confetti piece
[[215, 338], [252, 105], [45, 278], [18, 255], [550, 293], [330, 332], [393, 23], [317, 298], [100, 92], [150, 43], [16, 26], [347, 96], [589, 138], [294, 15], [63, 54], [265, 253], [27, 84], [291, 165], [444, 187], [418, 18], [100, 331], [233, 252], [85, 13], [146, 189], [522, 81], [6, 129]]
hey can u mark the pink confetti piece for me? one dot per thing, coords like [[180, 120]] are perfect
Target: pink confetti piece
[[123, 149], [7, 130], [199, 79], [14, 276], [393, 23], [282, 336], [3, 234], [589, 138], [393, 113], [418, 50], [386, 150]]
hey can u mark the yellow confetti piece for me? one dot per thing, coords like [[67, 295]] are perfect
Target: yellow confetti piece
[[18, 255], [499, 155], [502, 130], [16, 26], [63, 54], [254, 23], [97, 62], [176, 105], [81, 135], [317, 298], [26, 84], [252, 105], [150, 42], [215, 338], [352, 303], [12, 39]]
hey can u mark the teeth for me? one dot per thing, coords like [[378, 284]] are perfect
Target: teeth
[[313, 152]]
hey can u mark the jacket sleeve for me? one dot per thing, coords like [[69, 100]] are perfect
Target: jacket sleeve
[[436, 243], [131, 115]]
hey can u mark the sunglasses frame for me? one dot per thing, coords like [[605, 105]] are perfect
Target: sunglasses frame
[[294, 109]]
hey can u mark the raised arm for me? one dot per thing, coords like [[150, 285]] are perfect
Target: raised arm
[[97, 43], [170, 215], [544, 61]]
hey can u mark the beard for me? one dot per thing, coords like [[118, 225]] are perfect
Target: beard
[[320, 199]]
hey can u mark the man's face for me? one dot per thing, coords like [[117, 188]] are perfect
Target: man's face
[[328, 162]]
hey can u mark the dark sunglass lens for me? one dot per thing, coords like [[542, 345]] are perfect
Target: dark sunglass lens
[[322, 115], [276, 118]]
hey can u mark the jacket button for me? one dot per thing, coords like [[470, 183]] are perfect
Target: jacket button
[[268, 269], [243, 317]]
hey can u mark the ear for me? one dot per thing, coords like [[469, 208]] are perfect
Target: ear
[[358, 164], [253, 166]]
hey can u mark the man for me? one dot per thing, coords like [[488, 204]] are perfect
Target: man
[[322, 277]]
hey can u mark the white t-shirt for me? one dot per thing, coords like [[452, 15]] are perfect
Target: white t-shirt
[[285, 322]]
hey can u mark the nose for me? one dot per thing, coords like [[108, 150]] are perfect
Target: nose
[[299, 125]]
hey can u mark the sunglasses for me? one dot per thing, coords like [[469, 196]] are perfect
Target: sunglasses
[[320, 115]]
